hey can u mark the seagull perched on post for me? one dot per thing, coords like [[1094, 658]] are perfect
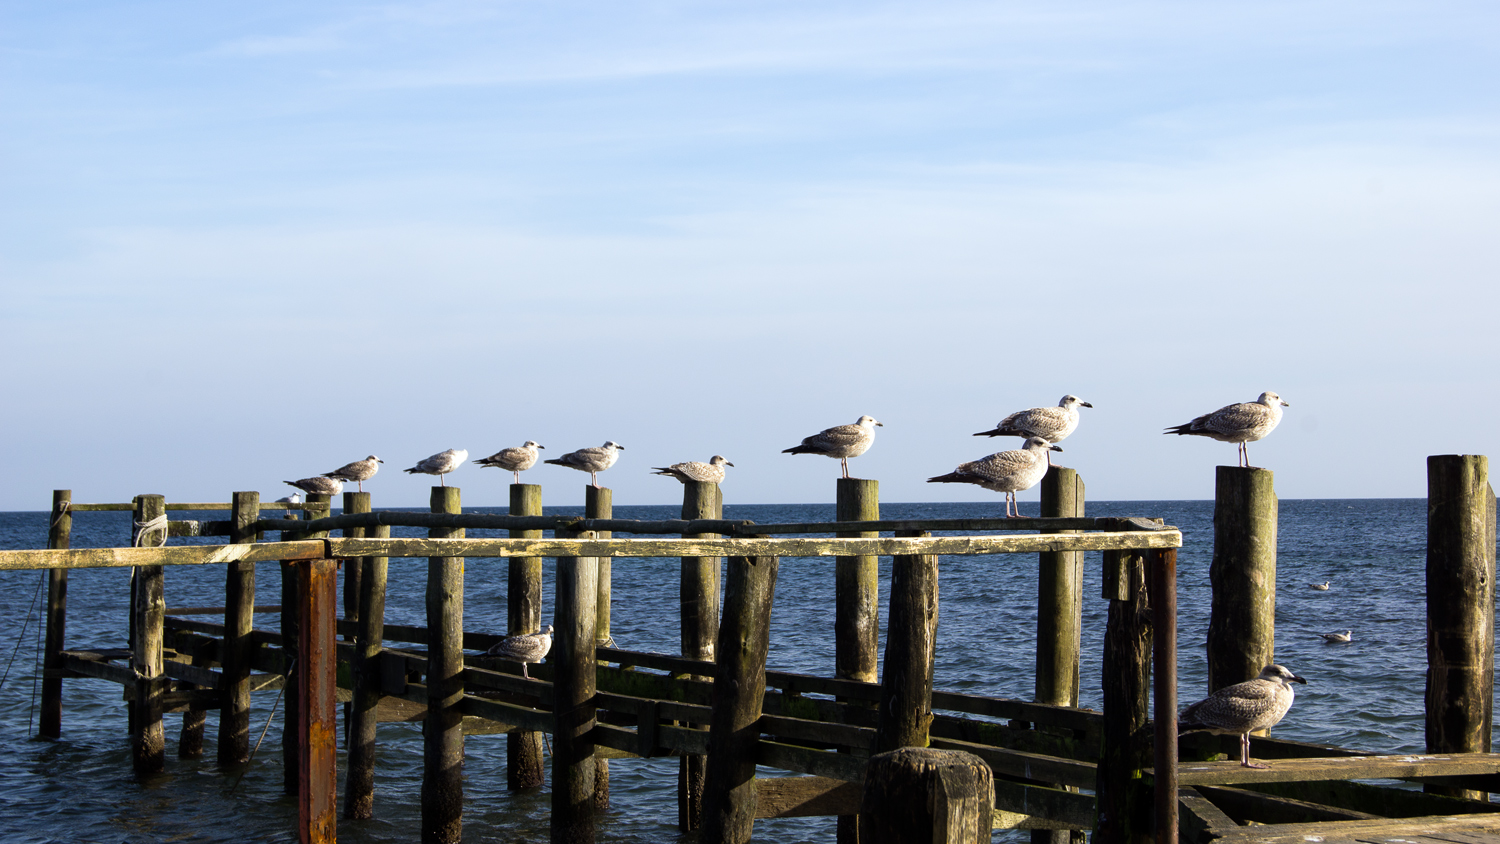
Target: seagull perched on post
[[1005, 471], [515, 459], [592, 460], [320, 484], [841, 441], [359, 471], [1052, 424], [711, 472], [1241, 423], [524, 648], [440, 464], [1244, 708]]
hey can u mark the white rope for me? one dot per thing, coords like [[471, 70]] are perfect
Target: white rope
[[143, 528], [62, 510]]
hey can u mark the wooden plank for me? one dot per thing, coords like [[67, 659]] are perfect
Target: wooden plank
[[802, 797], [1065, 809], [1245, 805], [860, 739], [82, 666], [1340, 768], [1370, 830], [1200, 819], [849, 767], [183, 555], [1030, 766], [515, 717]]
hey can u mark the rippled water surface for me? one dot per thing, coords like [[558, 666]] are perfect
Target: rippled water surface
[[1366, 694]]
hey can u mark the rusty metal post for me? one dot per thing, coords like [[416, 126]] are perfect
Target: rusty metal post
[[1162, 567], [317, 714]]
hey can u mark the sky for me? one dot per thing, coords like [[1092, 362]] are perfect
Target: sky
[[247, 244]]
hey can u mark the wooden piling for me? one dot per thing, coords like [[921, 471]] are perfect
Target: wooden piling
[[317, 505], [525, 766], [599, 504], [1059, 615], [317, 710], [856, 623], [906, 685], [1124, 805], [573, 677], [925, 796], [1242, 625], [1460, 608], [442, 734], [235, 650], [149, 610], [59, 536], [739, 686], [354, 502], [359, 782], [698, 599]]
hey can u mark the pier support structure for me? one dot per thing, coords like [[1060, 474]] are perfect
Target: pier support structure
[[698, 598], [59, 536], [524, 765], [1242, 626]]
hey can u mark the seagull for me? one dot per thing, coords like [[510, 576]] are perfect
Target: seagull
[[524, 648], [359, 471], [1244, 708], [1338, 638], [1240, 423], [440, 464], [591, 460], [1052, 424], [320, 484], [515, 460], [1005, 471], [294, 498], [711, 472], [841, 441], [1321, 587]]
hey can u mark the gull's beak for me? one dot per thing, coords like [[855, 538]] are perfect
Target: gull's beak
[[1086, 404], [1056, 448]]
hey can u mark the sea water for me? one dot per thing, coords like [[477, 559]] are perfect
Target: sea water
[[1366, 694]]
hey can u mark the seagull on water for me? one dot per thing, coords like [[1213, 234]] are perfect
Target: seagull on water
[[841, 441], [359, 471], [524, 648], [1244, 708], [320, 484], [711, 472], [1321, 587], [1338, 638], [1005, 471], [1052, 424], [515, 459], [1241, 423], [592, 460], [440, 464]]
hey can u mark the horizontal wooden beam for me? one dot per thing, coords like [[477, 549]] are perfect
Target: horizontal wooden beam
[[208, 506], [182, 555], [1340, 768], [1370, 830]]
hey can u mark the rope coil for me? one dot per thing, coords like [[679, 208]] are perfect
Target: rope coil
[[143, 528], [63, 507]]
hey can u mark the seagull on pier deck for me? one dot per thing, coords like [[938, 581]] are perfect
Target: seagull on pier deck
[[359, 471], [320, 484], [1338, 638], [1244, 708], [711, 472], [1052, 424], [524, 648], [1006, 471], [840, 441], [1321, 587], [592, 460], [515, 459], [1241, 423], [440, 464]]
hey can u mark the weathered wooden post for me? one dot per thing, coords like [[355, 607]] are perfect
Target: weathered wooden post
[[1460, 608], [573, 765], [59, 536], [149, 610], [315, 506], [739, 687], [906, 687], [1242, 626], [856, 622], [442, 734], [524, 763], [599, 504], [1059, 615], [1124, 804], [925, 796], [698, 599], [317, 706], [354, 502], [235, 650], [359, 783]]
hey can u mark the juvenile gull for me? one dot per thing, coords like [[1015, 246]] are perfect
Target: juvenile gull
[[1321, 587], [1241, 423], [1052, 424], [327, 486], [841, 441], [710, 472], [359, 471], [1244, 708], [440, 464], [592, 460], [524, 648], [1338, 638], [515, 459], [1005, 471]]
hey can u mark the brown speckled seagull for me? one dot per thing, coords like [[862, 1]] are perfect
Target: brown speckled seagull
[[1241, 423], [1244, 708], [524, 648], [1052, 424], [515, 459], [711, 472], [840, 441], [1005, 471], [359, 471]]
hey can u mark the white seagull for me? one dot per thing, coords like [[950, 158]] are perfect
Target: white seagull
[[841, 441], [1005, 471], [1052, 424], [1240, 423], [592, 460], [515, 459], [1244, 708], [440, 464]]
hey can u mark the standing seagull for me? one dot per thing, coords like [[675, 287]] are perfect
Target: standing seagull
[[1244, 708], [524, 648], [710, 472], [359, 471], [841, 441], [1241, 423], [1052, 424], [515, 460], [591, 460], [320, 484], [1005, 471], [440, 464]]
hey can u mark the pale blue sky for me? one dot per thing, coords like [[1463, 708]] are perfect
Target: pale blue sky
[[247, 244]]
